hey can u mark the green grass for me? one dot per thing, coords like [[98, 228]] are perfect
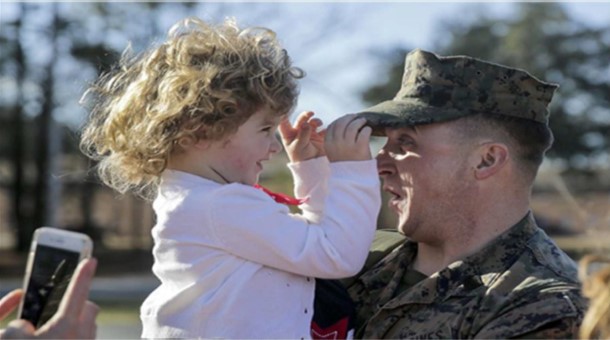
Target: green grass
[[119, 312], [110, 313], [6, 320]]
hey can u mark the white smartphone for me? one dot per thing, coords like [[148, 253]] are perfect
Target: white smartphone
[[53, 257]]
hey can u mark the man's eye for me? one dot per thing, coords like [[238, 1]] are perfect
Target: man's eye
[[406, 142]]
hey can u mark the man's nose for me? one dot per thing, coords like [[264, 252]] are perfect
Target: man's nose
[[385, 164]]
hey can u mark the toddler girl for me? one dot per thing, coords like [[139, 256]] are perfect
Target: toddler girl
[[190, 123]]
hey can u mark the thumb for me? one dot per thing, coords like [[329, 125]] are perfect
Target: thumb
[[19, 329]]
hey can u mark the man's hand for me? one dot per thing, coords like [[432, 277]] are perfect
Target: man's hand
[[75, 318]]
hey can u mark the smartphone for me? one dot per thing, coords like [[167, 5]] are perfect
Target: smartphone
[[54, 255]]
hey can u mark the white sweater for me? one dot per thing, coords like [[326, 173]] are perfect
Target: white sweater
[[233, 263]]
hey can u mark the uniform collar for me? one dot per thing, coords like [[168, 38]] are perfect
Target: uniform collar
[[474, 271]]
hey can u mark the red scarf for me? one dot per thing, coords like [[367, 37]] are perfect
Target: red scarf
[[281, 198]]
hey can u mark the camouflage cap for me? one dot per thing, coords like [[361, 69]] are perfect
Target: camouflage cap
[[437, 89]]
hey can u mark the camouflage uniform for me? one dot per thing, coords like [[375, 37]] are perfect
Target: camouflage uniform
[[520, 285]]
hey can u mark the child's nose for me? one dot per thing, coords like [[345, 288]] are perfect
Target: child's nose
[[275, 146]]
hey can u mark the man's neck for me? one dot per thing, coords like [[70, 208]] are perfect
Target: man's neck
[[433, 257]]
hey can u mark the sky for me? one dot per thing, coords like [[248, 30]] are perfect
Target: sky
[[342, 62], [340, 69], [340, 45]]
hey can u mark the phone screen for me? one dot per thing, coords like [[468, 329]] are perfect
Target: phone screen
[[51, 273]]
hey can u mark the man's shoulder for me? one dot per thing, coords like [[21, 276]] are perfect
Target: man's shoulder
[[528, 257], [537, 291], [541, 270], [546, 254], [385, 242], [547, 312]]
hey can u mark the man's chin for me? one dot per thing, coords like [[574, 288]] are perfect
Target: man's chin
[[405, 228]]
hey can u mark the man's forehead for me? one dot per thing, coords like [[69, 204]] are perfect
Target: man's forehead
[[396, 131], [429, 132]]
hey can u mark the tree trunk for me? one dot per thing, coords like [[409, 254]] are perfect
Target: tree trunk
[[17, 207], [43, 211]]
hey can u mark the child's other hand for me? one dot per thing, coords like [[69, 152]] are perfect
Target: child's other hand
[[347, 140], [302, 141]]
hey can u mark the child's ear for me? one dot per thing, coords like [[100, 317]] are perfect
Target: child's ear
[[491, 158], [188, 142], [200, 140], [201, 144]]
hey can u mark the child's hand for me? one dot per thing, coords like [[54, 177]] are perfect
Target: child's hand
[[347, 140], [302, 141]]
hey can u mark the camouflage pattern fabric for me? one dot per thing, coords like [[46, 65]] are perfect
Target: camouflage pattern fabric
[[521, 285], [436, 89]]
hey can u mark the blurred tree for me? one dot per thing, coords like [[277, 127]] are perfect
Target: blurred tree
[[44, 46], [13, 58], [47, 148], [545, 41]]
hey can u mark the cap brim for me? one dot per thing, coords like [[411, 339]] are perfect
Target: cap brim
[[402, 113]]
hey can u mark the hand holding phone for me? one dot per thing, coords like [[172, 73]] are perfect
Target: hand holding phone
[[75, 318], [54, 255]]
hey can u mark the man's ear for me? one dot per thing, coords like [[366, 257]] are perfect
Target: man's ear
[[491, 158]]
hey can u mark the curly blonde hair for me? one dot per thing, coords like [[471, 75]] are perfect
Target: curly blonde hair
[[203, 82], [596, 287]]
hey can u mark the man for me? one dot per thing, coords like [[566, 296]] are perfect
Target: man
[[465, 139]]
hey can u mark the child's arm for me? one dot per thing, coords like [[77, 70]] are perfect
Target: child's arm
[[302, 141], [345, 141], [247, 223], [305, 148]]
